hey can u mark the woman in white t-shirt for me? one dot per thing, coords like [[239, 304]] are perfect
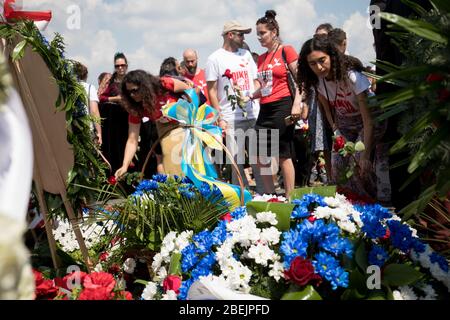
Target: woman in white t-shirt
[[343, 91]]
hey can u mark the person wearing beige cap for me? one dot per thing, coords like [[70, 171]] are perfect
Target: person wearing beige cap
[[231, 72]]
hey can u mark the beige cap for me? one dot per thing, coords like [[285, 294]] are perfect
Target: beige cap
[[233, 25]]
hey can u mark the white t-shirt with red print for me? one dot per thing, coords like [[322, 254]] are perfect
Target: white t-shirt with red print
[[243, 71], [343, 96]]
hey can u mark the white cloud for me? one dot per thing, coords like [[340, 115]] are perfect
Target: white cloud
[[360, 38], [149, 31]]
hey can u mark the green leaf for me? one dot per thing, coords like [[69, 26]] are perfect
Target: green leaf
[[405, 94], [442, 5], [400, 275], [377, 295], [309, 293], [139, 281], [283, 212], [349, 173], [421, 28], [419, 9], [361, 256], [324, 191], [352, 294], [19, 50], [175, 264], [357, 281]]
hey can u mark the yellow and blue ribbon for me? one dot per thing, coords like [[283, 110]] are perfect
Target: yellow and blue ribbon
[[200, 130]]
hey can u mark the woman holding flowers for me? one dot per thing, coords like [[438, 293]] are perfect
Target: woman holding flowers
[[277, 103], [343, 91]]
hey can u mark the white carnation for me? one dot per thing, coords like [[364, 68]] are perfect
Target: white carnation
[[149, 292], [169, 295], [270, 235], [129, 265], [268, 216]]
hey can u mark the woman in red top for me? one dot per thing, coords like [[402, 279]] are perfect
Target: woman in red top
[[144, 95], [276, 101]]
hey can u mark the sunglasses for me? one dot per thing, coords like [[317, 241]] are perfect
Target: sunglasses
[[240, 34], [120, 66], [133, 91]]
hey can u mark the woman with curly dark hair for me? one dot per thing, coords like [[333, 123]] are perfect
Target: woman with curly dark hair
[[343, 92], [144, 95]]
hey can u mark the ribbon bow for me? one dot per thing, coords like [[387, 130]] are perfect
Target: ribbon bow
[[200, 130]]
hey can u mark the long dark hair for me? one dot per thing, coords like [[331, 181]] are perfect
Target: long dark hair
[[340, 64], [149, 88]]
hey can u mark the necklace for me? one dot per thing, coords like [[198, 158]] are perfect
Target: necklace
[[264, 72]]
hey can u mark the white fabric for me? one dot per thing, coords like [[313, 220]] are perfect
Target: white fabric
[[16, 160], [244, 70], [91, 91], [345, 99]]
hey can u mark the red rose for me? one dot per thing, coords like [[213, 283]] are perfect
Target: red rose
[[103, 256], [38, 278], [434, 77], [228, 74], [339, 143], [98, 280], [74, 278], [122, 295], [226, 217], [444, 95], [274, 200], [101, 293], [172, 282], [112, 180], [46, 290], [387, 235], [301, 272]]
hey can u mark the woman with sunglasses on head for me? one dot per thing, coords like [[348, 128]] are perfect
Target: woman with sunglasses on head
[[277, 103], [114, 117], [144, 95], [343, 92]]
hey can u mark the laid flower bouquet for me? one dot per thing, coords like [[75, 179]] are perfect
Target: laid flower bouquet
[[313, 248], [234, 94], [80, 286], [347, 149]]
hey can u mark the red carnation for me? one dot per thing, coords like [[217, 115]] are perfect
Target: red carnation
[[434, 77], [226, 217], [228, 74], [103, 256], [387, 235], [301, 272], [122, 295], [172, 282], [98, 280], [274, 200], [112, 180], [339, 143], [73, 278], [101, 293], [311, 218]]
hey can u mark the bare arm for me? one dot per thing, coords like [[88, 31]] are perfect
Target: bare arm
[[130, 148], [95, 113], [180, 86], [214, 100], [297, 105]]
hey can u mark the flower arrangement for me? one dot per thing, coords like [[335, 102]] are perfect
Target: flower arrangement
[[347, 149], [234, 94], [80, 286], [327, 251]]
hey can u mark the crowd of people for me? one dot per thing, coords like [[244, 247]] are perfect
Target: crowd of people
[[264, 103]]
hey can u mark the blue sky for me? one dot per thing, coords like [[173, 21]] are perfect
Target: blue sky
[[148, 31]]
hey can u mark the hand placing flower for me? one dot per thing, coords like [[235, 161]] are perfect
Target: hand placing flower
[[235, 94]]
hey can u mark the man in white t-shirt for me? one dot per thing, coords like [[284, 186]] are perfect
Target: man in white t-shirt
[[233, 67]]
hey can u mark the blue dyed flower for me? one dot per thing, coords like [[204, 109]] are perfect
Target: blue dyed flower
[[160, 178], [292, 246], [239, 213], [378, 256], [306, 205], [203, 241], [186, 180], [440, 260], [418, 245], [189, 257], [372, 226], [328, 268], [205, 190], [186, 192], [337, 246], [219, 234], [401, 235], [184, 289], [147, 185]]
